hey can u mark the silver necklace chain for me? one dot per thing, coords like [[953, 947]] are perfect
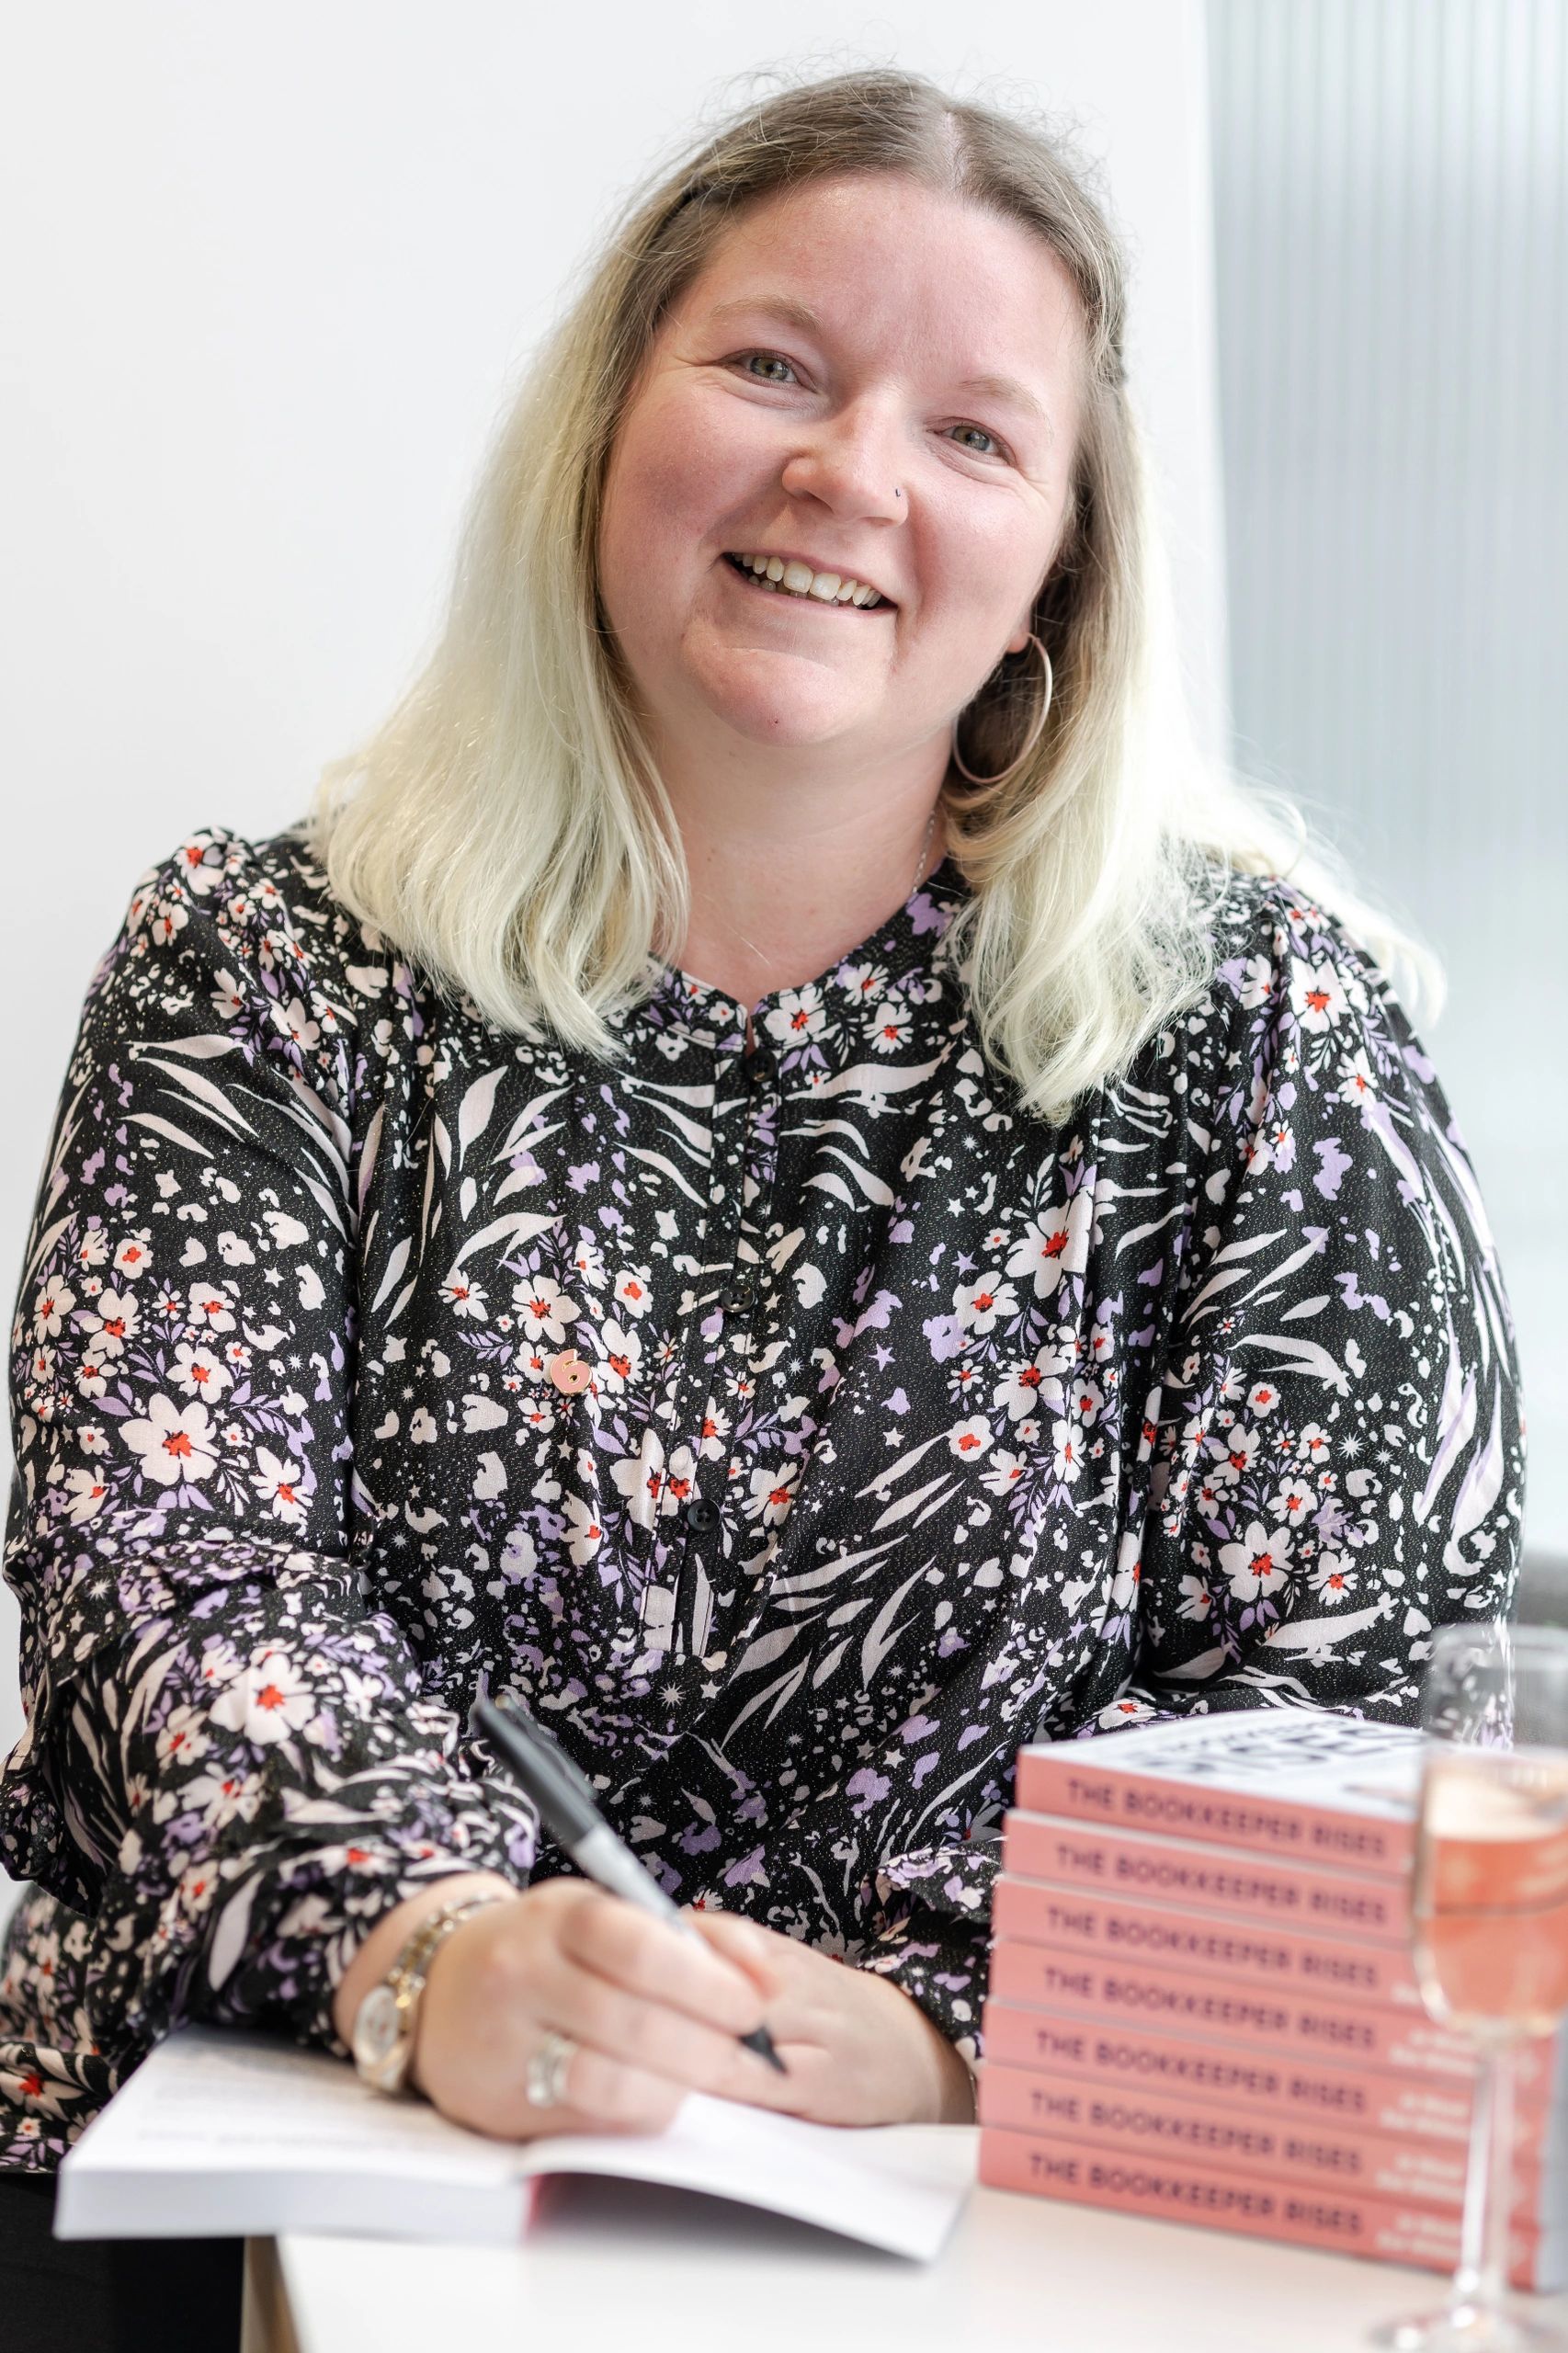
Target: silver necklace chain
[[920, 867]]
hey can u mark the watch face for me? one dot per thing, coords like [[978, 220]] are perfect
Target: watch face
[[376, 2030]]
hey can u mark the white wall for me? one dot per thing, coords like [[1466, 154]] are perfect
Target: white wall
[[274, 268]]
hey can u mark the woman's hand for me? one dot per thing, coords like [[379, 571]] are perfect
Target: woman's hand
[[857, 2049], [656, 2014]]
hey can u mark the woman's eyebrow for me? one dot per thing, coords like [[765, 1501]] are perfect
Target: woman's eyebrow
[[780, 306], [1007, 388], [800, 314]]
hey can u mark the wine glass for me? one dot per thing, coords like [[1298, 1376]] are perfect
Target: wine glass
[[1490, 1930]]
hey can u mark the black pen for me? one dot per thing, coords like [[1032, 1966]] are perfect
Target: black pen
[[569, 1813]]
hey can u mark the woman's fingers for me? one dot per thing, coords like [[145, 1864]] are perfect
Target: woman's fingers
[[602, 2095], [652, 1959], [653, 2012], [648, 2034], [769, 1959]]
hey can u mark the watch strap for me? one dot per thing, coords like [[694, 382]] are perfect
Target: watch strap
[[399, 1992]]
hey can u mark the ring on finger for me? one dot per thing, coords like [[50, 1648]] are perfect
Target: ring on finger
[[544, 2082]]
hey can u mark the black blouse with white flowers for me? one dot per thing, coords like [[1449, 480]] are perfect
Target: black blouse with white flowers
[[799, 1431]]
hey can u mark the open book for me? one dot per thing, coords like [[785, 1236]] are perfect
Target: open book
[[232, 2135]]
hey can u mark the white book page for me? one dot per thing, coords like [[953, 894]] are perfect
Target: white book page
[[233, 2128]]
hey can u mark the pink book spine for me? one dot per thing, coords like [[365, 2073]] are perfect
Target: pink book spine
[[1131, 1994], [1116, 1928], [1267, 2147], [1287, 1893], [1063, 1780], [1387, 2230], [1130, 2057], [1300, 2089]]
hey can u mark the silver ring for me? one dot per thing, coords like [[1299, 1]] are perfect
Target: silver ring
[[544, 2082]]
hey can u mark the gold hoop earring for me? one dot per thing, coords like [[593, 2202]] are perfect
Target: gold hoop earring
[[1034, 732]]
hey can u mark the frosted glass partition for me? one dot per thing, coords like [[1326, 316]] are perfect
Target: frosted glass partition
[[1391, 190]]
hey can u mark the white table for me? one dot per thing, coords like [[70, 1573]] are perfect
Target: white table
[[645, 2270]]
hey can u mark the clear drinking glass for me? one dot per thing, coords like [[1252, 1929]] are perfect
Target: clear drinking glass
[[1490, 1929]]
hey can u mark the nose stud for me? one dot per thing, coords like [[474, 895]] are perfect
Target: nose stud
[[568, 1372]]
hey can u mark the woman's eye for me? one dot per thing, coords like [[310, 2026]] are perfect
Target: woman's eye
[[768, 359], [984, 436]]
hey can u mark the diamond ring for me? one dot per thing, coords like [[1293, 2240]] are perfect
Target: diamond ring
[[545, 2080]]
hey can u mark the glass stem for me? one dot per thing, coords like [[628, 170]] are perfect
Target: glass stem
[[1481, 2279]]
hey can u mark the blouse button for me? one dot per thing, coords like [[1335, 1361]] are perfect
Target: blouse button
[[700, 1513], [568, 1372]]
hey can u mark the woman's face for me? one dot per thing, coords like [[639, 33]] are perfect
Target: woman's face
[[838, 348]]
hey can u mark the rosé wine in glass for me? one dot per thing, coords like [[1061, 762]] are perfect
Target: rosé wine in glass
[[1490, 1904], [1489, 1931]]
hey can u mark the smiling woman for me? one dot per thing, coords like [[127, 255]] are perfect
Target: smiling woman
[[800, 1189], [868, 447]]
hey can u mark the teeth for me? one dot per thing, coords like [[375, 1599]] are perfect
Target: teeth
[[797, 579]]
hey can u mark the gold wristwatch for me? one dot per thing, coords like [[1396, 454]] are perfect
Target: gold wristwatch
[[386, 2020]]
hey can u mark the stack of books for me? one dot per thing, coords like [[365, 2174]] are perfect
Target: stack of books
[[1202, 2004]]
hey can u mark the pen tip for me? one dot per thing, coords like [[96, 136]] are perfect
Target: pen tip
[[762, 2043]]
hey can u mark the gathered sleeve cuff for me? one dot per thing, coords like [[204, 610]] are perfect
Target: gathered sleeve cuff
[[933, 1936]]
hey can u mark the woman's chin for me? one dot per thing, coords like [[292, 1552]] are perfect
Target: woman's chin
[[783, 704], [785, 730]]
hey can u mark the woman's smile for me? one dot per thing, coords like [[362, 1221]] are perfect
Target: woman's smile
[[795, 581]]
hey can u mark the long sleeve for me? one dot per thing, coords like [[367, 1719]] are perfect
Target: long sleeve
[[1338, 1442], [231, 1765]]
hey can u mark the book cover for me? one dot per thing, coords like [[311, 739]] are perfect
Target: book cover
[[1297, 1782]]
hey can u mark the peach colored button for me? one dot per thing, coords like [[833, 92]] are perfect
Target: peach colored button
[[568, 1372]]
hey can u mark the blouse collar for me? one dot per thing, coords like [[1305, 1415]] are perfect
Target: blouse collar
[[898, 960]]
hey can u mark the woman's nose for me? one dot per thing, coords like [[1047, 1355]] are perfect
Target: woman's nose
[[852, 465]]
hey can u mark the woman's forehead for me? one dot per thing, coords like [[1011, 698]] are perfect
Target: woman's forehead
[[875, 259]]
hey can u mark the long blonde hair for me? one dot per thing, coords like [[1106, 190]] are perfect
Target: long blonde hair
[[505, 826]]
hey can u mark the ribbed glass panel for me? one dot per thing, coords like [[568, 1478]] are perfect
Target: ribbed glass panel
[[1391, 262]]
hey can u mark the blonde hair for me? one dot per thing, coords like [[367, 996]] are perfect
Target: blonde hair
[[505, 826]]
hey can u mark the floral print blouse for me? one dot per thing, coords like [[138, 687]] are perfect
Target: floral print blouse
[[799, 1430]]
